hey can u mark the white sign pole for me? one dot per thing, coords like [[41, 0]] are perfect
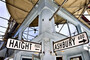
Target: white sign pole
[[28, 46], [71, 42]]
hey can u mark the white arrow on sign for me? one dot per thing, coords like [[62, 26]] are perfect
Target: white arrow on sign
[[71, 42], [28, 46]]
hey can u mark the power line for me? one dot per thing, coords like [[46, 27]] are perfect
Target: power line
[[8, 19], [69, 29], [2, 35], [3, 27], [2, 32], [61, 27], [4, 18], [58, 9]]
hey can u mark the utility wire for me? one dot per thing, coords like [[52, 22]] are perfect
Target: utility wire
[[61, 27], [3, 27], [2, 32], [4, 18], [58, 10], [65, 7], [69, 29], [8, 19], [62, 34], [2, 35]]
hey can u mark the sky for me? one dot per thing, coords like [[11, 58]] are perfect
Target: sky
[[88, 16], [3, 13]]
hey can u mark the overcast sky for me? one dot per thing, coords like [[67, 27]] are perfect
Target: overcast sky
[[3, 13]]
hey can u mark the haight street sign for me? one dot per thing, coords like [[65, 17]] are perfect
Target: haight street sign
[[71, 42], [28, 46]]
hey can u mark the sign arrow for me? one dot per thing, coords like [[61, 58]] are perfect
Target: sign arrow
[[82, 41]]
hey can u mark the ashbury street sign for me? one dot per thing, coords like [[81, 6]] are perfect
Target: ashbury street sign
[[71, 42], [28, 46]]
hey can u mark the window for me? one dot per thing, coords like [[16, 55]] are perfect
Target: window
[[26, 59], [58, 58], [76, 58]]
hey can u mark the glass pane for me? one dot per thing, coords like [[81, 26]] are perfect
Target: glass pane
[[26, 59], [36, 59], [76, 58]]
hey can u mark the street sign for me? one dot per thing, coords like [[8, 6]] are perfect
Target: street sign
[[23, 45], [71, 42]]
